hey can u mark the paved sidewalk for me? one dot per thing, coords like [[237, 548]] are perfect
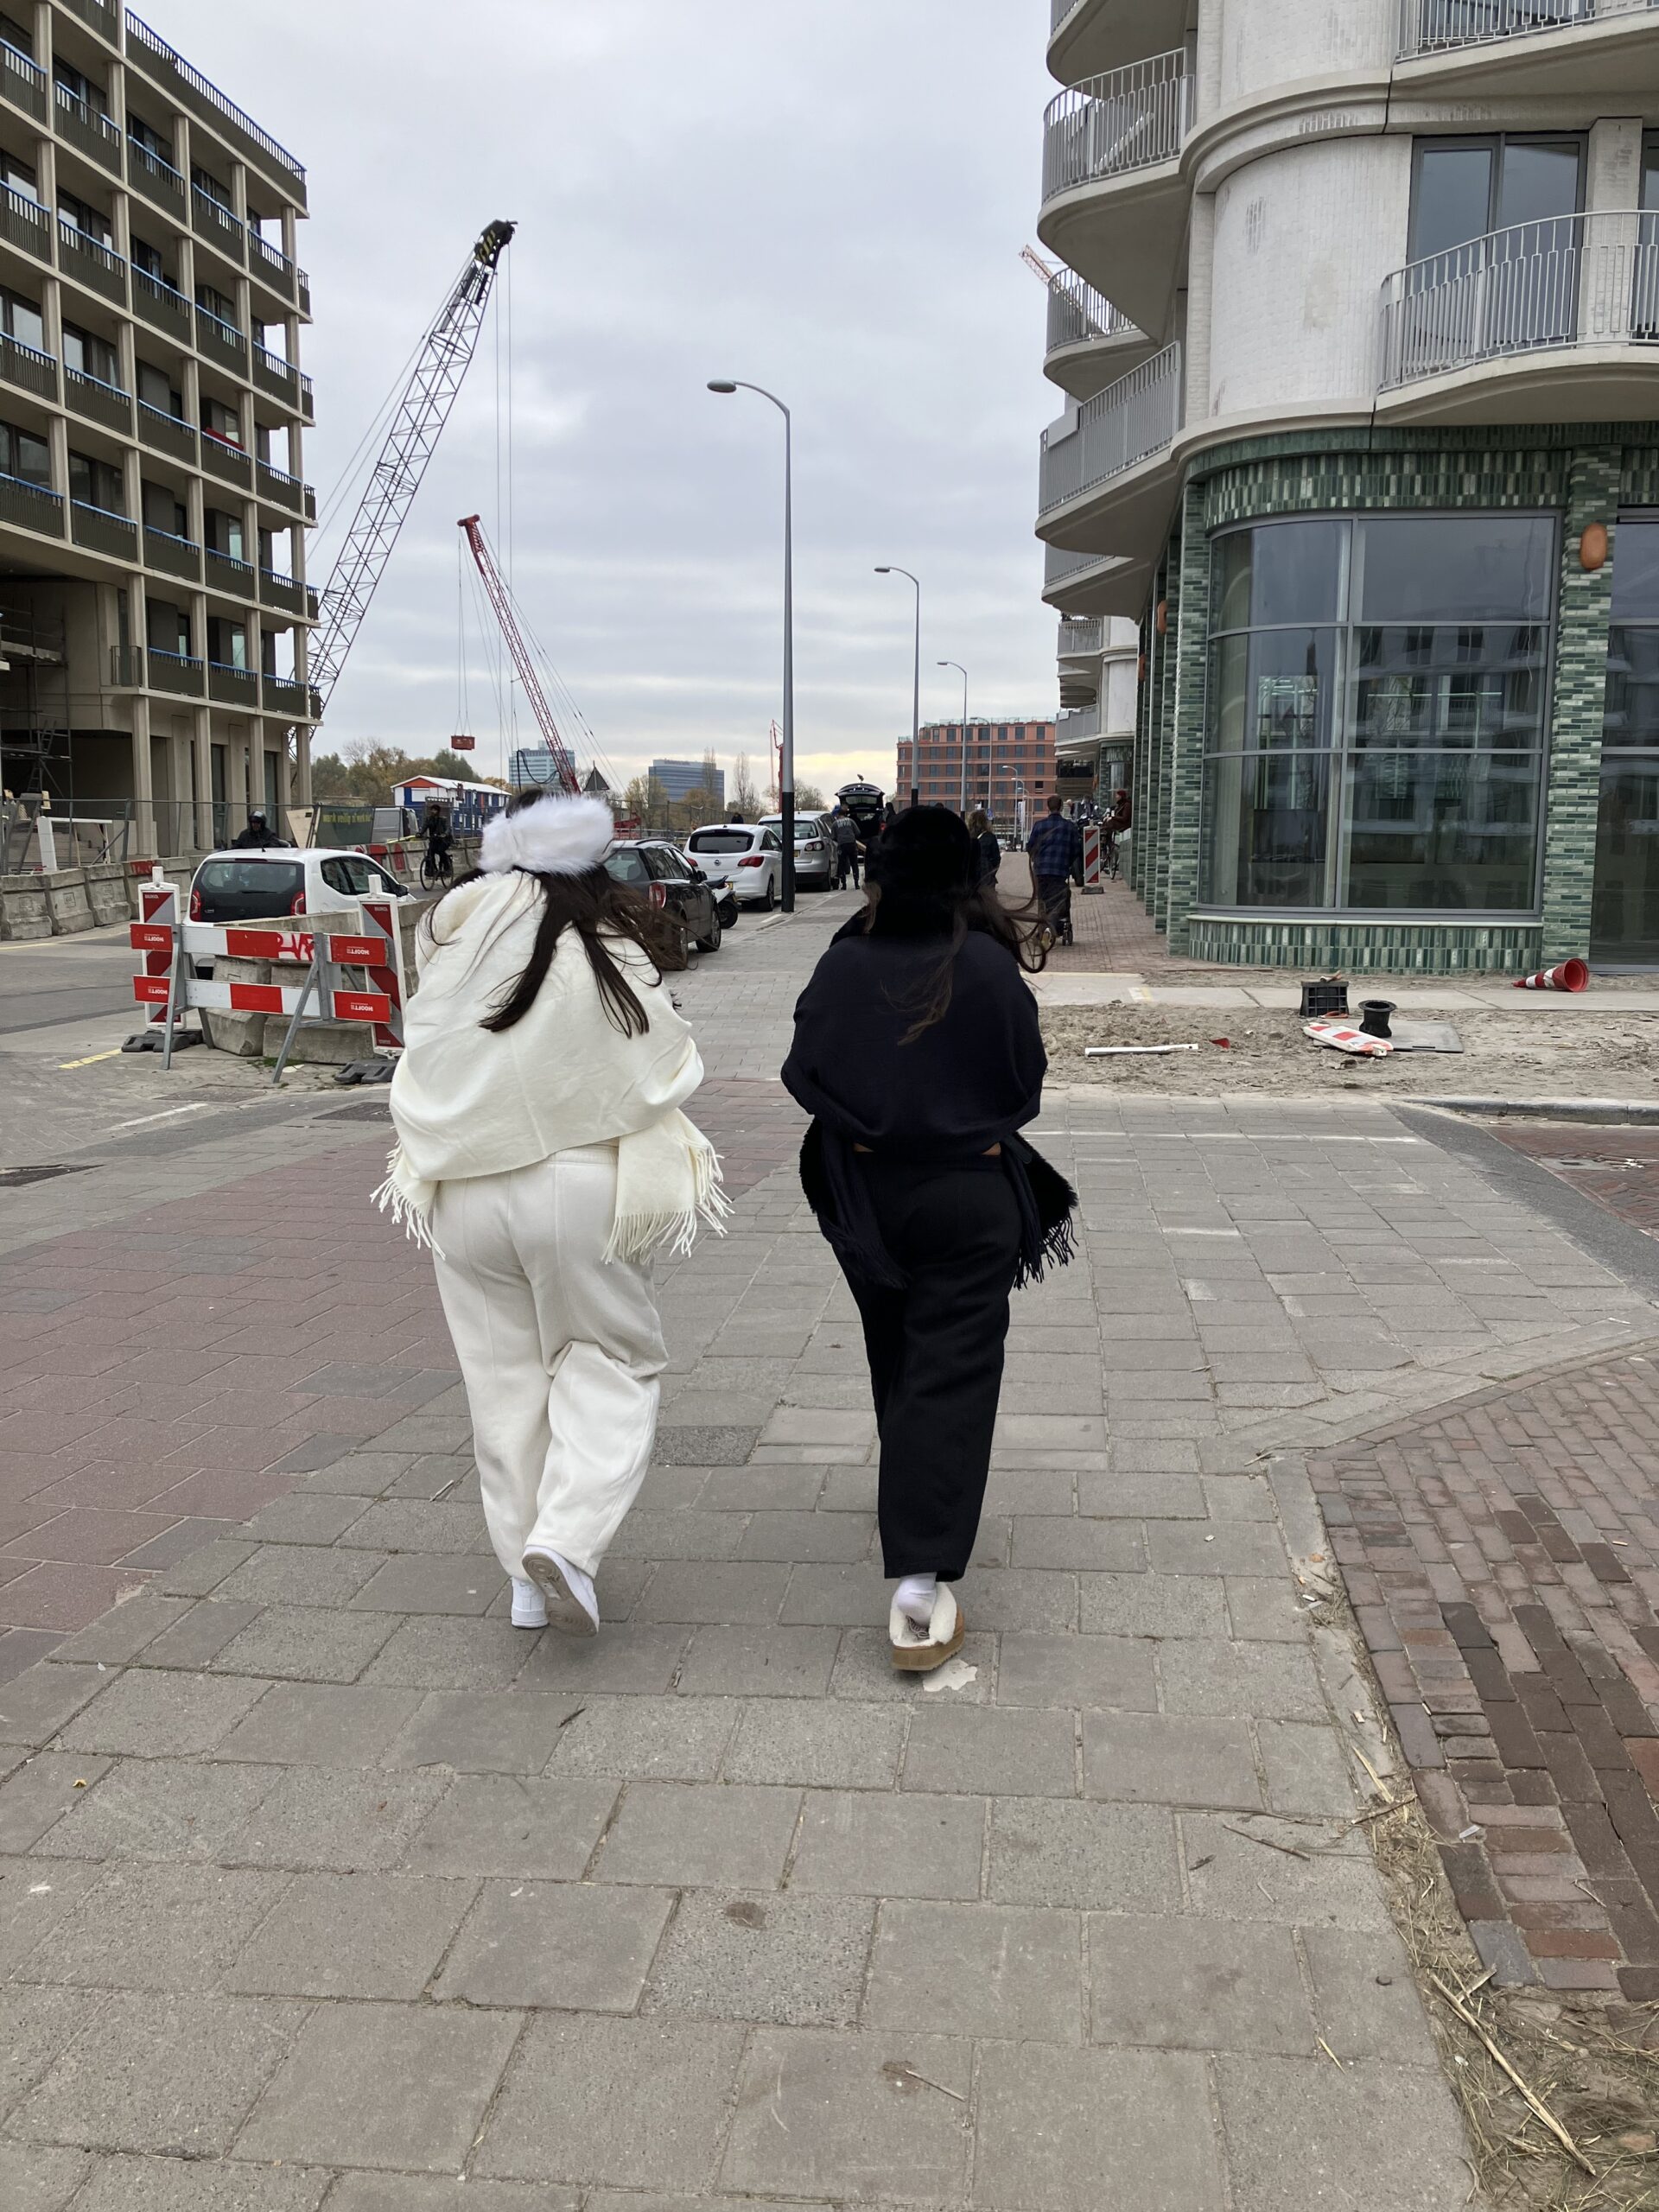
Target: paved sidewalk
[[325, 1885]]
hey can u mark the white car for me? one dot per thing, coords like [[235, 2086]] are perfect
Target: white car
[[745, 858], [815, 848], [264, 883]]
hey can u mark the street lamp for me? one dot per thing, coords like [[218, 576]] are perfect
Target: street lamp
[[915, 690], [725, 386], [961, 672]]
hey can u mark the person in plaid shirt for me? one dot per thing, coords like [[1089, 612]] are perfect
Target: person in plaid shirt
[[1055, 849]]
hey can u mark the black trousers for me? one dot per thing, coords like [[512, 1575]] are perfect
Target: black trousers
[[846, 863], [935, 1350]]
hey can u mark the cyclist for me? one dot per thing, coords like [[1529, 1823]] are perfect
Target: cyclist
[[1055, 849], [436, 868]]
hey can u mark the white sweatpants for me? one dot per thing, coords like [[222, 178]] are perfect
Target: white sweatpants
[[560, 1350]]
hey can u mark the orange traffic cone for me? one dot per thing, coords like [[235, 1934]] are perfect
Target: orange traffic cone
[[1570, 976]]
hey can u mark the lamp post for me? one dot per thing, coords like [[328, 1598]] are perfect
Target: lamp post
[[963, 673], [915, 690], [725, 386]]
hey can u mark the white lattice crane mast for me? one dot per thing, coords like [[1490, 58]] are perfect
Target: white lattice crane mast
[[501, 600], [422, 409]]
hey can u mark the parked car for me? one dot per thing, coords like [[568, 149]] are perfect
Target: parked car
[[814, 848], [262, 884], [743, 855], [656, 868]]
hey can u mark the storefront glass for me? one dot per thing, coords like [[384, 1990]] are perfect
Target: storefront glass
[[1625, 915]]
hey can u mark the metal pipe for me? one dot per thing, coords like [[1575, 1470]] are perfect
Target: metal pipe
[[893, 570]]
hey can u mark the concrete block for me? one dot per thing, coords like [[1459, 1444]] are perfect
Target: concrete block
[[872, 1844], [1087, 1858], [155, 1926], [195, 2185], [793, 1960], [181, 1809], [680, 1833], [353, 1936], [321, 1725], [854, 2117], [1199, 1985], [827, 1745], [1051, 2123], [1162, 1758], [502, 1825], [991, 1752], [151, 1714], [1305, 2134], [34, 2178], [574, 1947], [334, 1822], [658, 1738], [1078, 1671], [304, 1644], [1001, 1970]]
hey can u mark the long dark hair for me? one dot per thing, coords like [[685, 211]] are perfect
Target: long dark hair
[[928, 892], [599, 909]]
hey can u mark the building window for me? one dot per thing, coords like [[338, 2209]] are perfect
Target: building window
[[157, 390], [24, 456], [18, 177], [221, 421], [80, 88], [164, 510], [142, 134], [212, 188], [89, 356], [148, 259], [1375, 726], [82, 216], [216, 303], [13, 34], [21, 319], [94, 483], [1625, 915]]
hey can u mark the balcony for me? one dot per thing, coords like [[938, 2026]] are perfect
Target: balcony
[[1107, 477], [1080, 728], [126, 668], [88, 261], [220, 458], [88, 129], [212, 220], [100, 532], [227, 574], [30, 506], [1081, 635], [286, 492], [25, 224], [175, 672], [1081, 641], [29, 369], [155, 302], [98, 16], [165, 433], [271, 266], [1090, 341], [1523, 45], [1088, 36], [232, 686], [171, 555], [286, 591], [221, 343], [285, 696], [156, 59], [94, 401], [158, 181], [1114, 204], [1520, 324], [21, 85]]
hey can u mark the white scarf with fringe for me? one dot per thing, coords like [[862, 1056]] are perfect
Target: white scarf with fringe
[[466, 1101]]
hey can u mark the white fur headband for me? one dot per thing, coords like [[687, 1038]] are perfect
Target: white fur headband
[[550, 836]]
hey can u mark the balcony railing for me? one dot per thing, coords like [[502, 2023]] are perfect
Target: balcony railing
[[220, 340], [232, 686], [28, 368], [96, 401], [99, 14], [173, 556], [1058, 12], [1111, 126], [1078, 314], [227, 574], [31, 506], [1129, 422], [161, 306], [22, 82], [286, 591], [93, 264], [285, 696], [24, 223], [1566, 280], [175, 672], [1080, 728], [270, 262], [156, 179], [1442, 26], [212, 220], [285, 490], [101, 530], [153, 49], [166, 433], [88, 128], [220, 458], [1081, 634]]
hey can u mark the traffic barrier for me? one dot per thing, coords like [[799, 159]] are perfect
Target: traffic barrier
[[1568, 976], [1090, 856]]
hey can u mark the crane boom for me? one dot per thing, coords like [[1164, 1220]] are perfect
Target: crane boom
[[502, 603], [422, 410]]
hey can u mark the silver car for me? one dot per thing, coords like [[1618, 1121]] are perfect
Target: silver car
[[814, 848]]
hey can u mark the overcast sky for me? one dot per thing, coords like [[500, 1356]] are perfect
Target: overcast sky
[[827, 197]]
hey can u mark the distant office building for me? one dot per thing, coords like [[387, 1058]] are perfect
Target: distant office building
[[677, 779], [1005, 759]]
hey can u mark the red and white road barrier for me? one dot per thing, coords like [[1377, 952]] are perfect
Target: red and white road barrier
[[1090, 856], [1568, 976]]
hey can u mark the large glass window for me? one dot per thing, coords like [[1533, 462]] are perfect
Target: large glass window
[[1624, 913], [1374, 724]]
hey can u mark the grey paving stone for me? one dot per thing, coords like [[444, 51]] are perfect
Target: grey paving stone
[[852, 2117], [205, 1569], [1265, 1609], [641, 2104], [1162, 1758], [1015, 1486], [725, 1661], [1196, 1984], [34, 2178], [508, 1825], [987, 1970], [156, 1715], [1028, 1598], [172, 2074], [707, 1446], [196, 1639], [1301, 2133], [155, 1926], [306, 1517], [191, 2185], [629, 2200], [986, 1751], [1238, 1498], [1366, 1997], [480, 1731], [1151, 1604], [677, 1833], [410, 1524], [155, 1809], [1138, 1495], [444, 1652], [1088, 1858], [34, 1897], [1054, 2124], [864, 1672], [1047, 1539], [819, 1537], [827, 1745], [418, 1582], [1075, 1671], [794, 1960], [352, 1935], [364, 2192], [578, 1947], [632, 1657], [867, 1844], [398, 2086], [1307, 1769], [305, 1644], [845, 1596], [321, 1725], [35, 2023], [1222, 1676], [297, 1575], [1253, 1548], [40, 1792], [662, 1738], [330, 1820], [760, 1489], [1231, 1878], [124, 1631], [35, 1705]]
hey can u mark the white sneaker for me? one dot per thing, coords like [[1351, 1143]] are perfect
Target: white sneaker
[[572, 1603], [529, 1606]]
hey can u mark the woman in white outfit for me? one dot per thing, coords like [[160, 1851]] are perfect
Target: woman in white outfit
[[542, 1153]]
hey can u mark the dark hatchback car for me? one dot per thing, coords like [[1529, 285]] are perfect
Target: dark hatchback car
[[660, 873]]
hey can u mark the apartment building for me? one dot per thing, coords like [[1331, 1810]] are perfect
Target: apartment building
[[1359, 328], [154, 607], [1006, 761]]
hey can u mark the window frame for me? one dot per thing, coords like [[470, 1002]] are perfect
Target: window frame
[[1498, 143]]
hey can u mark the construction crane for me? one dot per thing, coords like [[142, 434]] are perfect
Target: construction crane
[[1038, 266], [501, 600], [421, 411]]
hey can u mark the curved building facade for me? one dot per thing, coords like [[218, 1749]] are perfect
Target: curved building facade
[[1359, 336]]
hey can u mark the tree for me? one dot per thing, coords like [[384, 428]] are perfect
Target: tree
[[636, 800], [744, 796], [368, 772], [809, 800]]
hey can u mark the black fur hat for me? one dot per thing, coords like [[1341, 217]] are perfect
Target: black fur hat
[[925, 852]]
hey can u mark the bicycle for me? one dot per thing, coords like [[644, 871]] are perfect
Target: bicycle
[[436, 868], [1110, 866]]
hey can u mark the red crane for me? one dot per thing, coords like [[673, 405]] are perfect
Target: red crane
[[502, 603]]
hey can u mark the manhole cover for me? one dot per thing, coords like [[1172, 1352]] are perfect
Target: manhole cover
[[10, 1177]]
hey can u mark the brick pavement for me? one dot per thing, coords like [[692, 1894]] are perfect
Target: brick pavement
[[1616, 1167]]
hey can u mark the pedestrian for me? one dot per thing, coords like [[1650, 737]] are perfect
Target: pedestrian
[[846, 834], [1055, 847], [988, 847], [542, 1153], [917, 1054]]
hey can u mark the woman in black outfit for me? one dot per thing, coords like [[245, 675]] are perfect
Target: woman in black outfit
[[988, 847], [917, 1054]]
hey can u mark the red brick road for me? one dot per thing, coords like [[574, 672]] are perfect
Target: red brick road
[[1616, 1167]]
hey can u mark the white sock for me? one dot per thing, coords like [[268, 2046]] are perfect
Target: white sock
[[915, 1597]]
